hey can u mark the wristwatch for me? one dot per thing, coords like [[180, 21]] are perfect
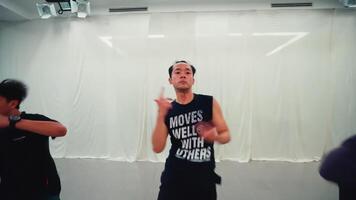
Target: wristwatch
[[13, 119]]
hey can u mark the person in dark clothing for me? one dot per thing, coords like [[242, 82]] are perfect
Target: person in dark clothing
[[27, 169], [189, 169], [339, 166]]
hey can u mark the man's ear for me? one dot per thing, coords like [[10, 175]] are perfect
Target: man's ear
[[170, 80], [14, 103]]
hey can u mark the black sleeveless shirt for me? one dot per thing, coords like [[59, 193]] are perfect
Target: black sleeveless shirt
[[188, 150]]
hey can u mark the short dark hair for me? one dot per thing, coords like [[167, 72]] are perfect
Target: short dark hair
[[13, 89], [170, 70]]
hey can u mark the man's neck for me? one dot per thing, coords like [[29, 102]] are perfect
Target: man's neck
[[14, 112], [184, 97]]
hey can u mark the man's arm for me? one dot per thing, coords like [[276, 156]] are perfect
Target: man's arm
[[160, 132], [223, 133], [46, 128]]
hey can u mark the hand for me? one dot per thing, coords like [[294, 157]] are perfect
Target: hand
[[4, 121], [163, 104], [207, 131], [210, 135]]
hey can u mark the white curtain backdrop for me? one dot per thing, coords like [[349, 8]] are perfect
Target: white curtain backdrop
[[285, 79]]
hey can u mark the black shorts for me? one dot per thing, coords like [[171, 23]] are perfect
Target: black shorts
[[188, 186]]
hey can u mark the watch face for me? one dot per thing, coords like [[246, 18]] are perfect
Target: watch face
[[14, 117]]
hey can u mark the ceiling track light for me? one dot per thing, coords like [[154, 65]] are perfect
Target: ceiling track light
[[349, 3], [80, 7], [46, 10]]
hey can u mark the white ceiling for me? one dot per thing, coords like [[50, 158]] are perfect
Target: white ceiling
[[16, 10], [8, 15]]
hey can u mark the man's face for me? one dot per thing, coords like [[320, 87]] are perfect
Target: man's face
[[7, 106], [182, 77]]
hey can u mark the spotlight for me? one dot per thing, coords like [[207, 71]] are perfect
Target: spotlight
[[83, 8], [46, 10], [52, 7], [74, 6], [349, 3]]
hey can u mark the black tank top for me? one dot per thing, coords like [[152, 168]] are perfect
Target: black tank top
[[188, 150]]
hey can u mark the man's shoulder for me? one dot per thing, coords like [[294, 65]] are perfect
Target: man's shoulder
[[204, 96], [350, 143], [35, 116]]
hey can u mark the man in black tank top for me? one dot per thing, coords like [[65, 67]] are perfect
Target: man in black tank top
[[27, 169], [339, 166], [189, 169]]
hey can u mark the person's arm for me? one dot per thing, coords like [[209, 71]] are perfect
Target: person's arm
[[46, 128], [160, 132], [223, 133]]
